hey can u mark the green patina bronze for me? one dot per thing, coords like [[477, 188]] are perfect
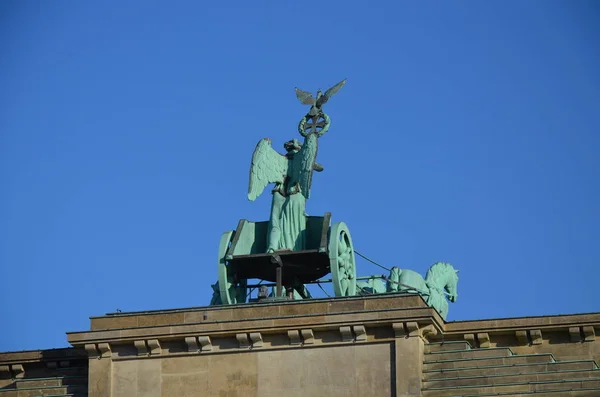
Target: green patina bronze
[[291, 173], [293, 248], [439, 285]]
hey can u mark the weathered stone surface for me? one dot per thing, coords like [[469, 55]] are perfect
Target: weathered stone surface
[[469, 353], [104, 349], [205, 342], [346, 334], [149, 378], [160, 319], [92, 350], [192, 344], [100, 377], [482, 371], [399, 330], [412, 328], [141, 347], [466, 363], [125, 380], [575, 334], [495, 380], [308, 337], [536, 336], [154, 346], [484, 339], [589, 333], [212, 314], [5, 371], [106, 323], [256, 339], [408, 371], [514, 324], [243, 340], [446, 346], [294, 336], [336, 371], [360, 332], [220, 352]]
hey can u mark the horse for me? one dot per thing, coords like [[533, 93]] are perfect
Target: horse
[[440, 281]]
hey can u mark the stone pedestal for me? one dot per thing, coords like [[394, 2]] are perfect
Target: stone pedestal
[[359, 346], [383, 345]]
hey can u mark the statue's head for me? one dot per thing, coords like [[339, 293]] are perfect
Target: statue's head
[[292, 146]]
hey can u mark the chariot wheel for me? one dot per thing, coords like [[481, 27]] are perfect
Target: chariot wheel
[[231, 290], [341, 260]]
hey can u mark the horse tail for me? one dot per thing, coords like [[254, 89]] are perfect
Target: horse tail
[[392, 284]]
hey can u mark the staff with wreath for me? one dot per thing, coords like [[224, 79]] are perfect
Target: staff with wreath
[[291, 173]]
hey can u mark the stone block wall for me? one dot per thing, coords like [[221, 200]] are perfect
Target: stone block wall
[[333, 371]]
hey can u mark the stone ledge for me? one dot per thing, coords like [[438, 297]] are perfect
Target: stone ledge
[[29, 356], [180, 332], [268, 325], [510, 325], [249, 348], [304, 339], [306, 324], [257, 311], [284, 338], [525, 331]]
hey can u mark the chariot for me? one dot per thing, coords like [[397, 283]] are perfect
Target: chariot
[[243, 256]]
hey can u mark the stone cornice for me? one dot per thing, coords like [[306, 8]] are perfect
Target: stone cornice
[[317, 314], [213, 330], [29, 356], [507, 325], [272, 325], [263, 311], [219, 329]]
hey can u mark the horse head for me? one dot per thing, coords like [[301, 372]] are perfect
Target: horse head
[[452, 284]]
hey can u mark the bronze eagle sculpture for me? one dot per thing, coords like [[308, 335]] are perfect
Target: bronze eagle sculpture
[[317, 103]]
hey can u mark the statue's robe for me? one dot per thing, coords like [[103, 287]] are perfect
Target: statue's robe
[[287, 224]]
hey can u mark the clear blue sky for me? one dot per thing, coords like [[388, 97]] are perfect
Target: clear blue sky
[[467, 132]]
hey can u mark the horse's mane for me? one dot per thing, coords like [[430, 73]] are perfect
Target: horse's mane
[[437, 269]]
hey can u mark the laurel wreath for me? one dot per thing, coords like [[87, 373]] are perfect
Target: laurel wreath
[[302, 125]]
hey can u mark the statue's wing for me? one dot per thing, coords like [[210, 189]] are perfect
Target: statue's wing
[[304, 162], [268, 166], [331, 92], [305, 97]]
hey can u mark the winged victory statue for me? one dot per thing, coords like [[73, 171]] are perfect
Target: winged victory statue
[[292, 175]]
